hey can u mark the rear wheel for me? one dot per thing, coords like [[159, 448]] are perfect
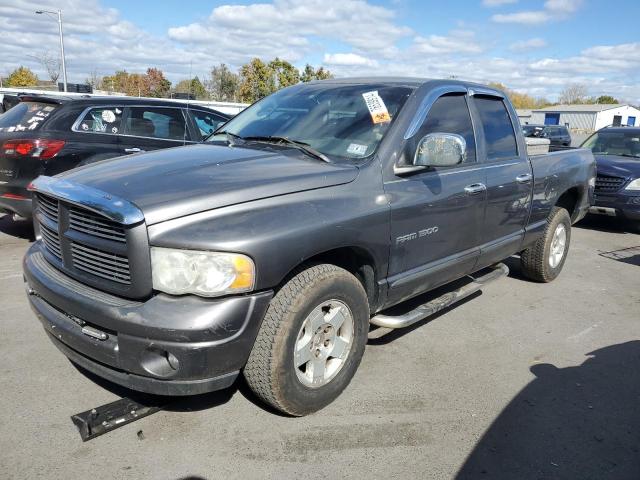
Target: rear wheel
[[543, 261], [311, 340]]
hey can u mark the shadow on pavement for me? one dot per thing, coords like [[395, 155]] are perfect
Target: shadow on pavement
[[20, 229], [578, 422], [606, 224]]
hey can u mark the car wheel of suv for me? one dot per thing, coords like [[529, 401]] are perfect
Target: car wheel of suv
[[311, 340], [543, 261]]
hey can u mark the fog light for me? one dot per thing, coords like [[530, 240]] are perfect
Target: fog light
[[159, 362]]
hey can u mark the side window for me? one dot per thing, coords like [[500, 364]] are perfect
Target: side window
[[156, 122], [450, 114], [102, 120], [497, 127], [206, 122]]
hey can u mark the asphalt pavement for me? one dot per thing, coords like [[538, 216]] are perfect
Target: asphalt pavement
[[523, 381]]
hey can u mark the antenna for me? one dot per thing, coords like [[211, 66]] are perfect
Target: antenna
[[189, 93]]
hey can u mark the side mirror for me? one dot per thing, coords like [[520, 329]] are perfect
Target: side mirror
[[440, 150]]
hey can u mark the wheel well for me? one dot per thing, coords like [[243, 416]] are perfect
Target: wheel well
[[355, 260], [569, 201]]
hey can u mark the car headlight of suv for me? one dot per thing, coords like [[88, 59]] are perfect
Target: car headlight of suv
[[634, 185], [208, 274]]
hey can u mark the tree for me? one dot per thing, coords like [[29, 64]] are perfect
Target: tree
[[256, 81], [22, 77], [159, 86], [193, 87], [94, 79], [223, 84], [309, 73], [574, 93], [520, 100], [284, 74], [606, 99], [51, 64]]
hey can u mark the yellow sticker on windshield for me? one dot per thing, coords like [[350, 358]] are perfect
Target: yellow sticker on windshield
[[376, 107]]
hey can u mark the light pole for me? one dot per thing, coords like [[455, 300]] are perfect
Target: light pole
[[64, 67]]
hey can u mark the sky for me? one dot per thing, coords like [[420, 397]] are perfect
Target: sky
[[531, 46]]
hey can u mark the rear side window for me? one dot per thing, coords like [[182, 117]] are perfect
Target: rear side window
[[153, 122], [101, 120], [497, 127], [206, 122], [450, 114], [25, 116]]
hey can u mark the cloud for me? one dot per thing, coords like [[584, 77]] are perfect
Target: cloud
[[458, 41], [497, 3], [553, 10], [527, 45], [348, 59], [292, 29]]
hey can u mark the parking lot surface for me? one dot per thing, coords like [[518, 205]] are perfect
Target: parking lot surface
[[523, 381]]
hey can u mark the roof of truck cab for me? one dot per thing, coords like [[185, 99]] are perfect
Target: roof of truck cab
[[407, 81]]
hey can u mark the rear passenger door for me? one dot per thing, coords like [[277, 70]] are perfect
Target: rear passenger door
[[152, 128], [509, 179], [95, 134]]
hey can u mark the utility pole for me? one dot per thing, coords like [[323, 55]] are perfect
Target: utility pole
[[64, 66]]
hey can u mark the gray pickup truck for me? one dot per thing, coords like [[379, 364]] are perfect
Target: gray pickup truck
[[273, 247]]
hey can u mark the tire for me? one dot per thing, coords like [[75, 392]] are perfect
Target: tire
[[541, 262], [310, 300]]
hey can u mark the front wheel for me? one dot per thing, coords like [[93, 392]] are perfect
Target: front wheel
[[543, 261], [311, 340]]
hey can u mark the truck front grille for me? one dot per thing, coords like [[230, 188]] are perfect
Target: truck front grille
[[93, 248], [93, 224], [606, 183], [51, 241], [102, 264]]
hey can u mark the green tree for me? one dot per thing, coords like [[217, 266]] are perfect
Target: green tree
[[223, 84], [309, 74], [22, 77], [606, 99], [284, 74], [256, 81], [194, 87]]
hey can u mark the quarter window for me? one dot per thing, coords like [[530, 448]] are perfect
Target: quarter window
[[497, 127], [206, 122], [165, 123], [102, 120], [450, 114]]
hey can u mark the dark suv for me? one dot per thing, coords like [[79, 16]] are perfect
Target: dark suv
[[45, 135], [558, 135]]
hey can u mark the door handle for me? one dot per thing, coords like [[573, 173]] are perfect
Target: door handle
[[475, 188], [133, 150], [524, 178]]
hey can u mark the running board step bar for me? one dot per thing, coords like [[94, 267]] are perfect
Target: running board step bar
[[440, 303]]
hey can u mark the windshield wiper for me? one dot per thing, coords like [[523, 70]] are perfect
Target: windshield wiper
[[305, 147]]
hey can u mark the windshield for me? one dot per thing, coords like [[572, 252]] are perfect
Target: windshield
[[346, 121], [532, 131], [625, 144], [25, 116]]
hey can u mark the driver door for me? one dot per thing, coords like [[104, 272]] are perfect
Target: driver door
[[436, 213]]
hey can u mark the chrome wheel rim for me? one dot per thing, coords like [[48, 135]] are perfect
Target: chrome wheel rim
[[558, 245], [323, 344]]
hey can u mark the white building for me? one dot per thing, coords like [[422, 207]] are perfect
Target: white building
[[585, 117]]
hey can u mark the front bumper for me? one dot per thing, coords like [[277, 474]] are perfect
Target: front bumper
[[619, 204], [166, 345]]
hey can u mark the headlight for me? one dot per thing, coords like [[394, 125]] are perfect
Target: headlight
[[634, 185], [208, 274]]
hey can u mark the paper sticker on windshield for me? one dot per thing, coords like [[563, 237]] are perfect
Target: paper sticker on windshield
[[357, 149], [376, 106]]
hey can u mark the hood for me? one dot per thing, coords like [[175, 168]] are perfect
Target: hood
[[175, 182], [616, 166]]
